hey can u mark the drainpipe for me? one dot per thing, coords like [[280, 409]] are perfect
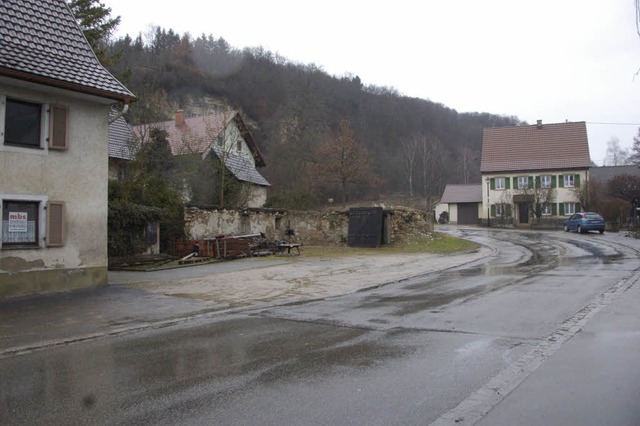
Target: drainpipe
[[120, 114], [488, 179]]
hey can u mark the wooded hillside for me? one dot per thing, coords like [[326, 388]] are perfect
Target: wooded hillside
[[416, 146]]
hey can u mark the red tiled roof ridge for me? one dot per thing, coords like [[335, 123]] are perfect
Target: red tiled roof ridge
[[554, 146]]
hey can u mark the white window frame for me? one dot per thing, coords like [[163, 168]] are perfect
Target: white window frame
[[522, 179], [500, 183], [546, 209], [545, 181], [43, 149], [501, 210], [569, 181], [569, 209], [42, 218]]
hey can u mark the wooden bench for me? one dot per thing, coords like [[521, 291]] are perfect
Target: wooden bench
[[288, 246]]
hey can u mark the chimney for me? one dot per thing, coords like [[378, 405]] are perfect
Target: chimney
[[179, 117], [539, 125]]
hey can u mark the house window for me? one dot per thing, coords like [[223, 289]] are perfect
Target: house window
[[31, 125], [501, 210], [20, 223], [546, 209], [569, 208], [500, 183], [523, 182], [31, 222], [569, 181], [545, 181]]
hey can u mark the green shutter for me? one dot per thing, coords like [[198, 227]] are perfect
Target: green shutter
[[553, 181], [578, 209], [507, 183], [515, 182], [493, 210], [538, 182], [554, 209], [530, 181], [561, 182], [577, 181], [561, 209], [508, 210], [493, 184]]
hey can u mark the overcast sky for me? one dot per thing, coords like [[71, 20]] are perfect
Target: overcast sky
[[553, 60]]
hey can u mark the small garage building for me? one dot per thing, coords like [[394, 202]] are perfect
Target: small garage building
[[462, 202]]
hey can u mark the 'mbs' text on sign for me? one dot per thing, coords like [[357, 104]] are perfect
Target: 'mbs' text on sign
[[18, 221]]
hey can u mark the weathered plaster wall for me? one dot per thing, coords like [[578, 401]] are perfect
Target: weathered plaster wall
[[310, 227], [78, 177]]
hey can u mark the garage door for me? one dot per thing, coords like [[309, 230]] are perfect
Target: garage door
[[468, 213]]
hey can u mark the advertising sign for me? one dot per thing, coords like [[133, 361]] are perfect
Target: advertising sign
[[18, 221]]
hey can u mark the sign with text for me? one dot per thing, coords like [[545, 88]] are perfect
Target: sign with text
[[18, 221]]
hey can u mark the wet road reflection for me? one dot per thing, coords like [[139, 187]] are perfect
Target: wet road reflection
[[403, 353]]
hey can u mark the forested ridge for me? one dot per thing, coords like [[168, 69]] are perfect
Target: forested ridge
[[416, 146]]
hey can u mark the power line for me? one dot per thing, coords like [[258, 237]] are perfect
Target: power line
[[614, 124]]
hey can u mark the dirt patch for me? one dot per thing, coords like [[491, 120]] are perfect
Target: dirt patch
[[307, 279]]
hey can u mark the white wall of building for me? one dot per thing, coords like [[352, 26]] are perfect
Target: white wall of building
[[76, 176]]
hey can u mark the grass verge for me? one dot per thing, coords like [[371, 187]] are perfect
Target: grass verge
[[439, 244]]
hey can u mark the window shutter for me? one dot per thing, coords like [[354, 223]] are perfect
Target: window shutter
[[493, 210], [508, 210], [58, 128], [578, 209], [507, 183], [576, 183], [515, 182], [493, 184], [538, 182], [553, 181], [554, 209], [530, 181], [55, 224], [561, 181], [561, 209]]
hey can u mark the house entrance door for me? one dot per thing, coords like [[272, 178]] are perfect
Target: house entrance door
[[523, 213]]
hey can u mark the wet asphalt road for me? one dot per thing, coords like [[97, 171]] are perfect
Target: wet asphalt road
[[404, 354]]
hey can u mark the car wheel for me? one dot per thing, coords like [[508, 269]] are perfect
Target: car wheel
[[566, 228], [580, 231], [601, 231]]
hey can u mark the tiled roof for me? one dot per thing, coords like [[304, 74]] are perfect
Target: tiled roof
[[557, 146], [603, 174], [241, 168], [40, 41], [198, 135], [121, 142], [454, 193]]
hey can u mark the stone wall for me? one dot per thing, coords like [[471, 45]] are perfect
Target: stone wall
[[310, 227]]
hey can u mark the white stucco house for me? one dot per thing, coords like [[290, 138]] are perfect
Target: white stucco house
[[533, 172], [55, 98], [223, 134]]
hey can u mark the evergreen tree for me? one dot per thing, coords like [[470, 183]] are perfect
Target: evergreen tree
[[97, 25]]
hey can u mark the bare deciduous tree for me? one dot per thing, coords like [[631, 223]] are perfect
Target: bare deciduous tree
[[615, 154], [342, 160], [432, 169], [410, 150], [626, 187]]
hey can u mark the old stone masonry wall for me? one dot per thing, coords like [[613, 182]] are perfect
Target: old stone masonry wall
[[309, 227]]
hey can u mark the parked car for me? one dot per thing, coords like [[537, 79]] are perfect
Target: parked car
[[584, 222]]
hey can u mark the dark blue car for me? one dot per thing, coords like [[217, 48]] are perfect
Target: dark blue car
[[584, 222]]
